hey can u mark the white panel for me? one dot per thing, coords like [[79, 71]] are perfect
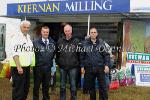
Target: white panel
[[140, 5], [3, 7], [12, 28]]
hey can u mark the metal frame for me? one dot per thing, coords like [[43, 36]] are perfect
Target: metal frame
[[2, 49]]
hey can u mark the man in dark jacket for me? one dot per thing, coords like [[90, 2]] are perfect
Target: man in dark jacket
[[68, 61], [95, 60], [44, 54]]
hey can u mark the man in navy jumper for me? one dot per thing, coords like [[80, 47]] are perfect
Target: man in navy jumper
[[44, 54], [94, 60]]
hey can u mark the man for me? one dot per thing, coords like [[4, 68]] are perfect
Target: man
[[44, 54], [68, 61], [95, 60], [22, 58]]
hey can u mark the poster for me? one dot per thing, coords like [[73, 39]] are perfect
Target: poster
[[142, 74], [140, 64]]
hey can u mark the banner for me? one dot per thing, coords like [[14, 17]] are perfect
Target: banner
[[142, 73], [138, 58], [68, 7]]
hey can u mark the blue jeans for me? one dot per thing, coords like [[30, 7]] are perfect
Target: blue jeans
[[107, 79], [72, 73]]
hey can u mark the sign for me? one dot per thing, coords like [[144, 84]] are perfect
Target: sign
[[140, 65], [142, 74], [68, 7], [138, 58], [140, 5]]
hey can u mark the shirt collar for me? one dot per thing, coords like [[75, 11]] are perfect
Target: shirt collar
[[27, 37], [45, 40]]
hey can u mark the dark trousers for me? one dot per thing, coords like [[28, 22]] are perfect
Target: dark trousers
[[21, 83], [78, 80], [97, 72], [63, 80], [86, 84], [41, 75]]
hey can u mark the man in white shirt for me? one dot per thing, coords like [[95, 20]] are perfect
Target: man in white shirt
[[22, 57]]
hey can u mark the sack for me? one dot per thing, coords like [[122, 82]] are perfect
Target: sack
[[114, 74], [130, 81], [123, 82], [121, 74], [122, 77], [125, 77], [5, 73], [114, 85], [126, 81]]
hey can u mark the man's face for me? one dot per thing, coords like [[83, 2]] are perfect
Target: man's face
[[45, 33], [25, 28], [68, 30], [93, 33]]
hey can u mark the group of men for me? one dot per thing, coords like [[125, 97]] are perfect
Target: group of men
[[93, 59]]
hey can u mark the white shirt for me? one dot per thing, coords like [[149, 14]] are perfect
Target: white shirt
[[45, 40], [22, 45]]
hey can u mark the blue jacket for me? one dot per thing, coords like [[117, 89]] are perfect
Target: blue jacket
[[95, 55], [44, 54]]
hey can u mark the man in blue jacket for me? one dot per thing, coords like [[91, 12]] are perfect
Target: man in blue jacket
[[94, 60], [44, 54]]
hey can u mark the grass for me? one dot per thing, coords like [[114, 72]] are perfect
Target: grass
[[123, 93]]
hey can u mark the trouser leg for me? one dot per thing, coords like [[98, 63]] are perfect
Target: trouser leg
[[63, 79]]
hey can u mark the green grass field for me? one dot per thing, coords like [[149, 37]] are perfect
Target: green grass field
[[123, 93]]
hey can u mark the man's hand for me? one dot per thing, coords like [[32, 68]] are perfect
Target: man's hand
[[20, 70], [82, 70], [31, 70], [106, 70]]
